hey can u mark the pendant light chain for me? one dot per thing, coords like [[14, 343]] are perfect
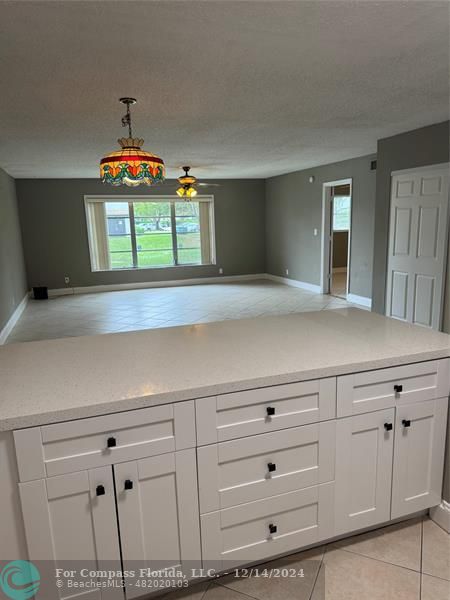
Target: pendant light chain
[[126, 120]]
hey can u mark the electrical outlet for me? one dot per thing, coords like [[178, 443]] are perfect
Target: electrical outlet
[[316, 231], [287, 271], [220, 271], [67, 280]]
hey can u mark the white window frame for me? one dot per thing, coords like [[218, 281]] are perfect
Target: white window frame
[[103, 198]]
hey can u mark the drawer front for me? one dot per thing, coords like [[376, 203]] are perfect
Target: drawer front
[[99, 441], [262, 529], [240, 471], [262, 410], [386, 388]]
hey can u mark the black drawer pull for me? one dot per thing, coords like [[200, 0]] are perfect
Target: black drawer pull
[[111, 442], [398, 389], [272, 528], [388, 426], [406, 423], [272, 467], [270, 411], [100, 490], [128, 485]]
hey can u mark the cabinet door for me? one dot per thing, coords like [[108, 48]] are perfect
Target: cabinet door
[[157, 501], [364, 446], [419, 456], [70, 522]]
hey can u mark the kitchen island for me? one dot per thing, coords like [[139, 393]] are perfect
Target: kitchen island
[[278, 433]]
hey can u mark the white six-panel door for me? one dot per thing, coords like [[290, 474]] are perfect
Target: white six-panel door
[[418, 245]]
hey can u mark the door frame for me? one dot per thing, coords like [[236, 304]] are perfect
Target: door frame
[[445, 165], [327, 234]]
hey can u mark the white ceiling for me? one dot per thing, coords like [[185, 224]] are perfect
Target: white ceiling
[[237, 89]]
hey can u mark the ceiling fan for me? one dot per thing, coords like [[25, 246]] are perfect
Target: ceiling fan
[[189, 184]]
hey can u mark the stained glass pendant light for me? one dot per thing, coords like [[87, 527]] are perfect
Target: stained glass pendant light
[[131, 165]]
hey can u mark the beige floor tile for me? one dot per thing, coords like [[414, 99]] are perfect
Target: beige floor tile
[[218, 592], [145, 309], [434, 588], [305, 564], [436, 550], [348, 576], [397, 544], [193, 592]]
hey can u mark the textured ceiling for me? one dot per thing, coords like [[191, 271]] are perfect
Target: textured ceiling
[[237, 89]]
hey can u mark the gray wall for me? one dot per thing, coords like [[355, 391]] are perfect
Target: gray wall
[[417, 148], [294, 209], [12, 269], [340, 249], [55, 237]]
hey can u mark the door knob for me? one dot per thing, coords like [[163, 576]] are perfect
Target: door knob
[[388, 426], [272, 467], [270, 411], [272, 528], [398, 389], [111, 442], [128, 484], [406, 423], [100, 490]]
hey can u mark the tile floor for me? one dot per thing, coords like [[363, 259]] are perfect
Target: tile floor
[[407, 561], [108, 312], [339, 284]]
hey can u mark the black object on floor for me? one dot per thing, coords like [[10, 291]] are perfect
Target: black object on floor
[[40, 293]]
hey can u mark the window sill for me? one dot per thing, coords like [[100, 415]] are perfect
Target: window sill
[[184, 266]]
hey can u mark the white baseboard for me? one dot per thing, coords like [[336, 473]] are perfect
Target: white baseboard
[[311, 287], [441, 515], [93, 289], [362, 300], [4, 333]]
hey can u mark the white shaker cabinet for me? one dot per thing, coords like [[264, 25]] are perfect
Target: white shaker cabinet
[[70, 521], [420, 431], [158, 513], [364, 445]]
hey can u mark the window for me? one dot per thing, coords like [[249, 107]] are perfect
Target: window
[[149, 232], [341, 213]]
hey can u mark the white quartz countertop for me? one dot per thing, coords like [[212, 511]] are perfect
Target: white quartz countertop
[[57, 380]]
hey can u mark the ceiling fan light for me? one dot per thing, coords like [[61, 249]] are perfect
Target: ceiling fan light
[[181, 192], [191, 192]]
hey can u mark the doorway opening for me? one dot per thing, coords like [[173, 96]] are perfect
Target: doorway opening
[[336, 238]]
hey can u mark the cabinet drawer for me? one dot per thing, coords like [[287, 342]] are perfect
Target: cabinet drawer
[[240, 471], [98, 441], [241, 535], [262, 410], [375, 390]]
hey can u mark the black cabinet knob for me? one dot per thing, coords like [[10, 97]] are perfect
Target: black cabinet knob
[[406, 423], [270, 411], [100, 490], [398, 389], [128, 485], [388, 426], [272, 467], [272, 528], [111, 442]]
